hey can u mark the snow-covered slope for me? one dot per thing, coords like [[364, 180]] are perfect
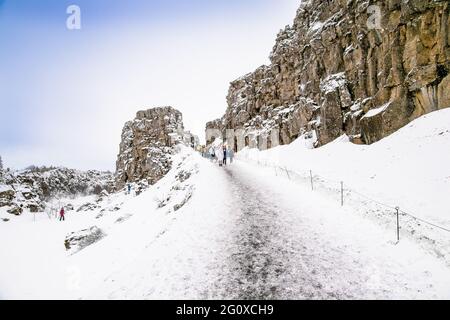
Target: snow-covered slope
[[38, 265], [409, 169]]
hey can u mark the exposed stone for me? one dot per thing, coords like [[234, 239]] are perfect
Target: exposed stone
[[329, 70], [88, 207], [185, 199], [148, 144], [183, 175], [123, 218], [15, 210], [444, 93], [7, 195], [102, 196], [35, 207], [77, 241]]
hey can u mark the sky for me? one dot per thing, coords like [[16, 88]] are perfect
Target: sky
[[66, 94]]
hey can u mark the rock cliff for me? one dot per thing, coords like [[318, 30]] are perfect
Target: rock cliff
[[356, 67], [147, 145]]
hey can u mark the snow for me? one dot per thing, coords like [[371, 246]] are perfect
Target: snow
[[349, 49], [37, 266], [377, 111], [317, 25], [341, 254], [333, 82], [408, 169], [284, 110], [250, 231], [5, 188]]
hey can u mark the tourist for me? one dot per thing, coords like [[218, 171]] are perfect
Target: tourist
[[219, 155], [62, 214], [224, 155]]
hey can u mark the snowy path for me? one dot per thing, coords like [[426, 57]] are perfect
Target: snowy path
[[278, 252], [251, 235], [269, 256]]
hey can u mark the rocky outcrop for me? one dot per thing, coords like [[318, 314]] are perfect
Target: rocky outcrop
[[32, 188], [77, 241], [147, 145], [359, 67]]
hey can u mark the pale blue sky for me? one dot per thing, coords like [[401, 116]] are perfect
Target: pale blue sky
[[65, 95]]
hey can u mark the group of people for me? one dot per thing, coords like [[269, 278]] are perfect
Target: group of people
[[221, 154]]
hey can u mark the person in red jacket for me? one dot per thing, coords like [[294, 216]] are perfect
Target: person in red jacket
[[61, 215]]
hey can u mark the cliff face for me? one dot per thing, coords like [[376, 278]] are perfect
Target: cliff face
[[147, 145], [341, 68]]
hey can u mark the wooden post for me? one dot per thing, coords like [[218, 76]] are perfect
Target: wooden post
[[398, 224], [287, 172], [312, 182]]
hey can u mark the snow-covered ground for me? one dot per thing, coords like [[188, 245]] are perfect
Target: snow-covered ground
[[409, 169], [35, 264], [250, 231]]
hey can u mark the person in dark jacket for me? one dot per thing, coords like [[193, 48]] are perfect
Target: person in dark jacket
[[62, 215], [225, 155]]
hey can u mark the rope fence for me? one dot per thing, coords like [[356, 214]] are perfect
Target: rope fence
[[314, 179]]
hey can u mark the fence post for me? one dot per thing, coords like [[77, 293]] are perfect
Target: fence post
[[312, 183], [398, 223], [342, 193], [287, 172]]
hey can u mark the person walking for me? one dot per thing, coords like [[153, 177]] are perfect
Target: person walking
[[224, 155], [62, 215], [212, 153], [129, 189], [219, 155]]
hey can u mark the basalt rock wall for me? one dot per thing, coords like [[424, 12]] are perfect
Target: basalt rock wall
[[355, 67]]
